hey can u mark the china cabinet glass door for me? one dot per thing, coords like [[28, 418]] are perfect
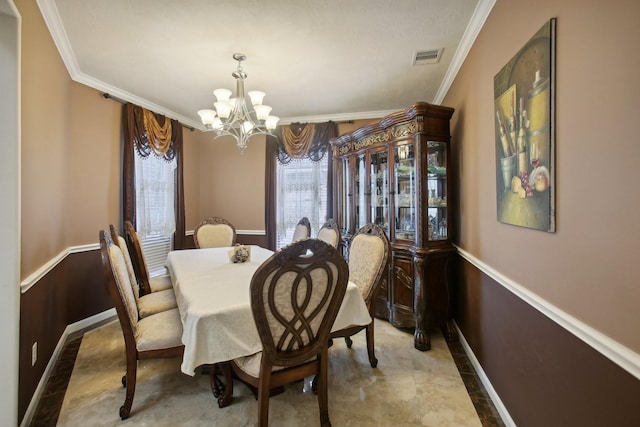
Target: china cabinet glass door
[[379, 178], [361, 191], [437, 190], [344, 194], [404, 191]]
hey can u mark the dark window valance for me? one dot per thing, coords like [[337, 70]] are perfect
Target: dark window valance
[[300, 140], [151, 132]]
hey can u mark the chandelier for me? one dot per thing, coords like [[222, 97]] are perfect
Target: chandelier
[[232, 116]]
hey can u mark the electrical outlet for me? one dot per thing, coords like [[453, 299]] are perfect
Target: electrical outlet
[[34, 353]]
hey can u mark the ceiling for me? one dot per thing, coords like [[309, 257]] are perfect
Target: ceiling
[[316, 60]]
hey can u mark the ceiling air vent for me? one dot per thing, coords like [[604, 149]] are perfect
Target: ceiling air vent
[[431, 56]]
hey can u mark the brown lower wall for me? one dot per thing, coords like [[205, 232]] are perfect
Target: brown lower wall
[[72, 291], [544, 375]]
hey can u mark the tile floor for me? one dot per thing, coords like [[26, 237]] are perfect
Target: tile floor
[[49, 407]]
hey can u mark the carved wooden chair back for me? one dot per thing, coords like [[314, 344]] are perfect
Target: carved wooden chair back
[[147, 283], [137, 257], [295, 298], [302, 230], [330, 233], [369, 269], [214, 232]]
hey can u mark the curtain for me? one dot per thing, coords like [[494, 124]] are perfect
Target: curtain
[[312, 141], [300, 140], [297, 141], [270, 191], [144, 133], [155, 195]]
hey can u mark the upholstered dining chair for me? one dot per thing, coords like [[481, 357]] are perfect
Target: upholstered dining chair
[[147, 284], [153, 302], [302, 230], [156, 336], [295, 298], [368, 269], [214, 232], [330, 233]]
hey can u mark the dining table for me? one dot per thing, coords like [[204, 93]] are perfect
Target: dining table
[[214, 302]]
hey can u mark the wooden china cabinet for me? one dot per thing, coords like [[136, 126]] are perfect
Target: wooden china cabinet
[[394, 172]]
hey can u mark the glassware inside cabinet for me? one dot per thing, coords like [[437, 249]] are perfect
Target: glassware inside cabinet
[[361, 192], [345, 196], [379, 178], [405, 188], [437, 190]]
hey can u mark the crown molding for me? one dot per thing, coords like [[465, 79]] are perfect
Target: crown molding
[[56, 28], [480, 14], [53, 21]]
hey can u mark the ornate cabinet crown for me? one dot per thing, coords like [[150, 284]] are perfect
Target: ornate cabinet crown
[[395, 172]]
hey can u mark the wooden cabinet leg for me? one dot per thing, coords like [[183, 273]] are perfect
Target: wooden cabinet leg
[[421, 340]]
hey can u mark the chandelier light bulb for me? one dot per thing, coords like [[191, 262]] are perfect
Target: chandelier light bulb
[[217, 124], [207, 117], [262, 111], [222, 94], [271, 122], [247, 127], [223, 108], [256, 97]]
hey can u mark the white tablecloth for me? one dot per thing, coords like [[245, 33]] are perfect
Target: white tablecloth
[[214, 303]]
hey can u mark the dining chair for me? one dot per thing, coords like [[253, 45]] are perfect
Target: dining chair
[[214, 232], [368, 268], [156, 336], [153, 302], [330, 233], [295, 298], [147, 284], [302, 230]]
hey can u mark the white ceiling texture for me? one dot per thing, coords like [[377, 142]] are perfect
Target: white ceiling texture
[[317, 60]]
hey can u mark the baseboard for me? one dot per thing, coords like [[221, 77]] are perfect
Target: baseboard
[[83, 324], [497, 402]]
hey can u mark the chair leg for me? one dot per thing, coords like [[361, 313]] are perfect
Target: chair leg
[[323, 399], [132, 367], [217, 386], [264, 392], [348, 341], [370, 346]]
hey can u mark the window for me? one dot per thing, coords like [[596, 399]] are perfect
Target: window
[[301, 191], [155, 213]]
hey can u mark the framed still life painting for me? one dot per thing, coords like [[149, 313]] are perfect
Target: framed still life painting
[[524, 127]]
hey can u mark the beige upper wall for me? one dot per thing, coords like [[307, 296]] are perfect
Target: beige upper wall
[[45, 115], [71, 154], [588, 267], [94, 198], [232, 183], [192, 141]]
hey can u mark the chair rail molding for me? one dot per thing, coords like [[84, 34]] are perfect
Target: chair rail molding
[[34, 277], [621, 355]]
